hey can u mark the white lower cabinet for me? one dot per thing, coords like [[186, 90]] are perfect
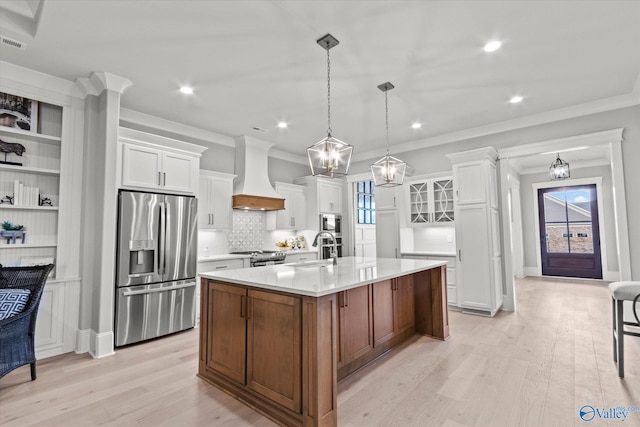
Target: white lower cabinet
[[58, 314], [301, 257]]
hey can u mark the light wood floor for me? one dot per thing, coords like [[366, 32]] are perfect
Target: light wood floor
[[535, 367]]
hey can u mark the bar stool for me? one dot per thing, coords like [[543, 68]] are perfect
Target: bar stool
[[620, 292]]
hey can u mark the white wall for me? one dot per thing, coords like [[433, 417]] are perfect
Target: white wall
[[435, 239]]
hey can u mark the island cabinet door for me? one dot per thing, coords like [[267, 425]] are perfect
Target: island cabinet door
[[274, 347], [383, 316], [355, 323], [226, 330], [403, 304]]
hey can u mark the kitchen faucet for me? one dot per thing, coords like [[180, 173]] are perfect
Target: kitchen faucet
[[334, 251]]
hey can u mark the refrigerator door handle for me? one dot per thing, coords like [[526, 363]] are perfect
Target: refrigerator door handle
[[161, 244], [129, 293]]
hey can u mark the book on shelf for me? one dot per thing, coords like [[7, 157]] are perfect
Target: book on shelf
[[24, 195]]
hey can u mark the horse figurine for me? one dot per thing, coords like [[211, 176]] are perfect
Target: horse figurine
[[11, 147]]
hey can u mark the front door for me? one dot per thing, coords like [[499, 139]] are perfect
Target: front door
[[569, 233]]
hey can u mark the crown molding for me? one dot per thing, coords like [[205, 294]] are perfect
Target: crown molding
[[289, 157], [218, 174], [574, 165], [588, 139], [146, 120], [484, 153], [357, 177], [145, 138], [36, 85], [602, 105], [100, 81]]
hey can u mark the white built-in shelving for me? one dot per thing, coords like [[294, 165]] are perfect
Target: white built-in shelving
[[40, 169]]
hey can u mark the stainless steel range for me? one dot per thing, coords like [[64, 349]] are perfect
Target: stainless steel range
[[261, 258]]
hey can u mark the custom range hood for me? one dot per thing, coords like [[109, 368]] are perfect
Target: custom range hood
[[252, 189]]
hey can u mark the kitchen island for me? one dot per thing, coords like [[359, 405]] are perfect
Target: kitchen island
[[279, 338]]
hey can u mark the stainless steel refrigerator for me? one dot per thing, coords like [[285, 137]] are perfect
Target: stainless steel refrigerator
[[156, 265]]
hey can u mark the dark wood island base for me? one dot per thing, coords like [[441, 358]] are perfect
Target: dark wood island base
[[283, 353]]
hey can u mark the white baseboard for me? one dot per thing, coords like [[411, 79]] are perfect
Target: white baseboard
[[101, 345], [83, 341], [611, 276], [531, 271]]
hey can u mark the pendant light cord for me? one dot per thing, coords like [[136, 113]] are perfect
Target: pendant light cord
[[328, 91], [386, 113]]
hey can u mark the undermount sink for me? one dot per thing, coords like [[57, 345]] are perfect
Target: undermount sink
[[314, 263]]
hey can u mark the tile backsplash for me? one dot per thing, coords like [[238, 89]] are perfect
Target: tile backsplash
[[248, 230], [248, 233]]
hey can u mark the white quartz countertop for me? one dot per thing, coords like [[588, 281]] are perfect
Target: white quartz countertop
[[429, 253], [317, 279], [222, 257]]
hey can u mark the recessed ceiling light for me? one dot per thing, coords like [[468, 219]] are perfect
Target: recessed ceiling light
[[187, 90], [492, 46], [282, 125], [416, 125], [516, 99]]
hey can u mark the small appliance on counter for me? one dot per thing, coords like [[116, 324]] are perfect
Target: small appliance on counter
[[156, 265]]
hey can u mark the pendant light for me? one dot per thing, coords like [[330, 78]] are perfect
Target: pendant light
[[388, 171], [559, 169], [329, 157]]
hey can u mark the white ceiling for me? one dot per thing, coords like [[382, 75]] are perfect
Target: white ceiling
[[253, 63]]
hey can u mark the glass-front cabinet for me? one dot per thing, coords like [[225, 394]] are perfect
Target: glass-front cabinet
[[431, 201]]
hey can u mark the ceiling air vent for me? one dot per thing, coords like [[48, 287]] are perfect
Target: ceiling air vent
[[257, 129], [13, 43]]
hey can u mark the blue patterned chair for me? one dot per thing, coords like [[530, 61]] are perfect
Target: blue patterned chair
[[20, 292]]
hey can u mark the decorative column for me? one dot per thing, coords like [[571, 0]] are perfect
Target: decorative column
[[99, 195]]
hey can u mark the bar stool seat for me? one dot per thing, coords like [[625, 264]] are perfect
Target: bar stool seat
[[620, 292]]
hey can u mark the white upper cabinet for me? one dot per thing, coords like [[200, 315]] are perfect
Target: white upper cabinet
[[294, 214], [180, 172], [215, 193], [330, 197], [323, 195], [470, 183], [142, 166], [431, 201], [152, 162], [386, 197]]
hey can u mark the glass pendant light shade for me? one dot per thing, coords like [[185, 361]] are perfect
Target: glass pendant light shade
[[329, 157], [559, 169], [388, 171]]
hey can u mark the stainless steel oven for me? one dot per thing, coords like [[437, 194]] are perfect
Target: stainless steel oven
[[262, 258], [331, 223], [326, 245]]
